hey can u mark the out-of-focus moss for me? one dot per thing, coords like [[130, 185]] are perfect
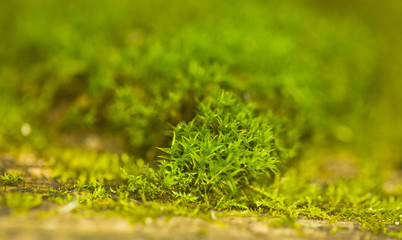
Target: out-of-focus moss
[[136, 68]]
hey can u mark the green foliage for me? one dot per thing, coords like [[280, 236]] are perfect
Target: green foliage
[[134, 76], [238, 97], [10, 179], [89, 166], [217, 155], [225, 148]]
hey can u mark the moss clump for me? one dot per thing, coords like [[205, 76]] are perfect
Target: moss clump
[[10, 179], [218, 155]]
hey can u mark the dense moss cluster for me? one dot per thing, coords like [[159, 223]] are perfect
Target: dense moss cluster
[[218, 155]]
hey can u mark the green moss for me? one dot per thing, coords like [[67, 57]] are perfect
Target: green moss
[[10, 179], [215, 157], [21, 202], [242, 108]]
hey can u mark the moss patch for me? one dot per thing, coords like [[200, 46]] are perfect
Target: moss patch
[[200, 110]]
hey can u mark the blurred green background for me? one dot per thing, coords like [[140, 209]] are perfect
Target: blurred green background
[[113, 76]]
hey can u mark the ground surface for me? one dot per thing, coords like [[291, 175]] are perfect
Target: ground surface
[[69, 227], [51, 220]]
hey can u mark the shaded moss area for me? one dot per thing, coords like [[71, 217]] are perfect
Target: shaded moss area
[[147, 109]]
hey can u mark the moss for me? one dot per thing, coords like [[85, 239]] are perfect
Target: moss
[[228, 107], [11, 179], [215, 157], [21, 202]]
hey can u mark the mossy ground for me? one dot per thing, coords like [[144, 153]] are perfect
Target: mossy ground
[[51, 208], [284, 113]]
